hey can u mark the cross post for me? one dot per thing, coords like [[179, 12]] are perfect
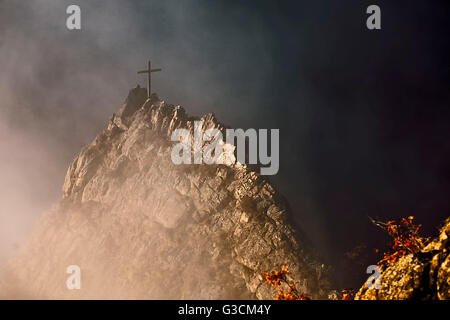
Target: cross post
[[149, 77]]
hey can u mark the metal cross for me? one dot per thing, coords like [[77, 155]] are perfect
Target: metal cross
[[149, 78]]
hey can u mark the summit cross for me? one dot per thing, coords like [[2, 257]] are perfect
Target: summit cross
[[149, 77]]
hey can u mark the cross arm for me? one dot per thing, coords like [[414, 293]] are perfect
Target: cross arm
[[146, 71]]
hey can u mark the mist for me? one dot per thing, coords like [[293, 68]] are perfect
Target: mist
[[59, 87], [363, 117]]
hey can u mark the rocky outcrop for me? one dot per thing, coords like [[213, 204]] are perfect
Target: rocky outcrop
[[425, 275], [141, 227]]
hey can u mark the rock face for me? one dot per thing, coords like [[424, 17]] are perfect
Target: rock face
[[140, 227], [425, 275]]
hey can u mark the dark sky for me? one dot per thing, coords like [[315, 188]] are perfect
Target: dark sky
[[363, 115]]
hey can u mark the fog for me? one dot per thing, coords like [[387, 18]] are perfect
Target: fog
[[363, 117], [59, 87]]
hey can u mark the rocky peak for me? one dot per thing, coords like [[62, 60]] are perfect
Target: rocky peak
[[141, 227]]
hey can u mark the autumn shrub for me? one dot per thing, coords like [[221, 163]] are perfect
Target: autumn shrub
[[286, 290], [406, 240], [347, 294]]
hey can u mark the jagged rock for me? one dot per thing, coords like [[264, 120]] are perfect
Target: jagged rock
[[141, 227], [425, 275]]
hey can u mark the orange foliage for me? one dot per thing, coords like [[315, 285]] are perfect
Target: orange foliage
[[347, 294], [277, 279], [406, 240]]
